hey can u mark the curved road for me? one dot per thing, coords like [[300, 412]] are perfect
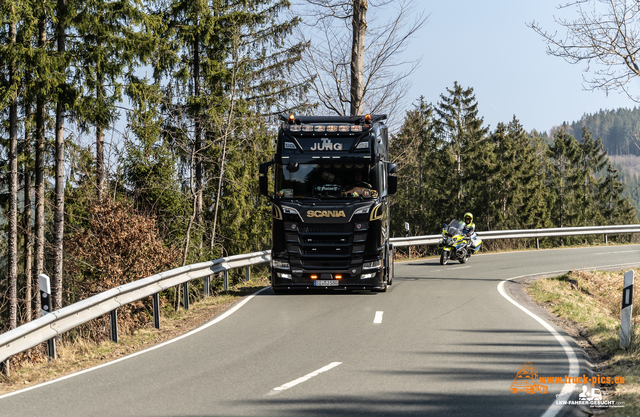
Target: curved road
[[442, 341]]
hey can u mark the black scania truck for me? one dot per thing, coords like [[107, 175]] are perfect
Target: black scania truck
[[330, 203]]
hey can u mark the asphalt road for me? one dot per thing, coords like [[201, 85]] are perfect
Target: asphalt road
[[441, 342]]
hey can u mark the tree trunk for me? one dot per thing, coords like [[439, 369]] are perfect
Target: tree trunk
[[359, 24], [58, 217], [13, 187], [99, 142], [198, 140], [40, 154], [26, 224], [26, 214], [219, 192]]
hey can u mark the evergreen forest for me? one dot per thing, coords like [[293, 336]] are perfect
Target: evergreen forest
[[132, 132], [619, 131]]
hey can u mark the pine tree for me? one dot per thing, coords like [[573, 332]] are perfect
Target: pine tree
[[614, 208], [415, 150], [112, 39], [591, 160], [462, 131], [231, 71], [563, 153], [517, 178]]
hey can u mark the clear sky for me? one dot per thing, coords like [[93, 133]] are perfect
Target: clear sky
[[487, 45]]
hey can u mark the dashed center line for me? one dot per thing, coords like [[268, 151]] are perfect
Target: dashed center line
[[304, 378], [610, 253], [378, 318]]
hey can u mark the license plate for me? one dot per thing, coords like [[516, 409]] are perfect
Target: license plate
[[326, 283]]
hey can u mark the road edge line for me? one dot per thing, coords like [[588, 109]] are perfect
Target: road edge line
[[218, 319], [574, 365]]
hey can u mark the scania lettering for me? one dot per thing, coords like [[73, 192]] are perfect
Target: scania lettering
[[331, 184]]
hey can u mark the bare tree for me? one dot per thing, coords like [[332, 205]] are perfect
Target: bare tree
[[13, 183], [349, 75], [40, 148], [605, 36], [58, 217]]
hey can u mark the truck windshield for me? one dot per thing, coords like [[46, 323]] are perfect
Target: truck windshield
[[326, 180]]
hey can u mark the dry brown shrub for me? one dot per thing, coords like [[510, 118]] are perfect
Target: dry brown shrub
[[120, 246], [606, 288]]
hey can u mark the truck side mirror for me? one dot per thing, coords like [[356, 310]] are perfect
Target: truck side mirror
[[392, 169], [263, 179]]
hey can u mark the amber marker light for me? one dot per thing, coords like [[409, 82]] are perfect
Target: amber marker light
[[314, 277], [367, 118], [292, 119], [338, 276]]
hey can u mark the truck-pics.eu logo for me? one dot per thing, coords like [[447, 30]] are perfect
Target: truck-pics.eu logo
[[527, 380]]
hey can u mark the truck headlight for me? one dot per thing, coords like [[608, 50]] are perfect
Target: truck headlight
[[366, 276], [290, 210], [363, 210], [280, 264], [372, 265]]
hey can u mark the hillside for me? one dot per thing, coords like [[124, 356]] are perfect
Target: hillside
[[628, 167], [619, 129]]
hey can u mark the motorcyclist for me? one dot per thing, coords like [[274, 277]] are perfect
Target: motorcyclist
[[469, 227]]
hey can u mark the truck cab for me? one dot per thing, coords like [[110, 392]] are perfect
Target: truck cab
[[332, 180]]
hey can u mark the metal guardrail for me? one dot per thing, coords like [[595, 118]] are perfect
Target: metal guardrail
[[525, 233], [59, 321], [67, 318]]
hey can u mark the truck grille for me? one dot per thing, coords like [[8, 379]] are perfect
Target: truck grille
[[319, 263], [333, 228], [326, 251], [324, 240]]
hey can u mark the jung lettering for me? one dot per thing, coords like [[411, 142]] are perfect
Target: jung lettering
[[326, 145]]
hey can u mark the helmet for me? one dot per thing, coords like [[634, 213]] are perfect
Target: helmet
[[468, 216]]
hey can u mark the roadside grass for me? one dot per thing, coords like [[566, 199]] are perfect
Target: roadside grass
[[77, 355], [592, 300]]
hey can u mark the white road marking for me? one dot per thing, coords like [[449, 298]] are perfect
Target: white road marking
[[615, 252], [305, 378], [574, 366], [133, 355], [378, 318], [460, 267]]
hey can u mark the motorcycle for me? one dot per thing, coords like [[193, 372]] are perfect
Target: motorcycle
[[455, 245]]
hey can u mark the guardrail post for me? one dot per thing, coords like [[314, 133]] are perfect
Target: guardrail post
[[45, 303], [606, 239], [627, 306], [5, 369], [185, 295], [225, 280], [537, 243], [207, 284], [113, 317], [247, 273], [156, 310]]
